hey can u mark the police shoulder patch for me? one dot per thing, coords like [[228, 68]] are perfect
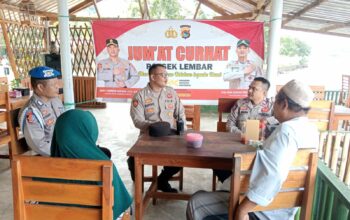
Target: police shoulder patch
[[30, 117], [135, 103]]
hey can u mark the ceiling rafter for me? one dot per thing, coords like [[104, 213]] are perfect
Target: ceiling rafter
[[234, 16], [303, 10], [335, 26], [214, 7], [81, 6]]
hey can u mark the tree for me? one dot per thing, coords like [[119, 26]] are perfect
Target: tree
[[293, 47], [159, 9]]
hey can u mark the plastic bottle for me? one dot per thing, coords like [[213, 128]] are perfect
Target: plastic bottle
[[180, 127], [243, 135]]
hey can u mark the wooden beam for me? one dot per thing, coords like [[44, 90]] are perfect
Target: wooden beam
[[197, 9], [251, 2], [214, 7], [96, 9], [46, 14], [303, 10], [235, 16], [335, 26], [81, 6]]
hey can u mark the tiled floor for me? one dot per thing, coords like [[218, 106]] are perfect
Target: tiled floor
[[118, 133]]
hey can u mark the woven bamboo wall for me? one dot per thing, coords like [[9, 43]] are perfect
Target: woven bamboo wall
[[25, 34], [82, 48]]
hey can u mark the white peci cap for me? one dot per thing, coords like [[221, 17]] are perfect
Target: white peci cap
[[299, 93]]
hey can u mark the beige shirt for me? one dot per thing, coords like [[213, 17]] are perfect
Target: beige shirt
[[111, 72], [244, 110], [37, 121], [234, 73], [148, 107]]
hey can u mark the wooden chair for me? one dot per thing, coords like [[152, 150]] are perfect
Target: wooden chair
[[298, 189], [321, 113], [5, 135], [4, 87], [193, 116], [224, 106], [192, 113], [45, 199]]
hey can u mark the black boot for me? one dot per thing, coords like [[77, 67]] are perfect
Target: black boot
[[164, 177]]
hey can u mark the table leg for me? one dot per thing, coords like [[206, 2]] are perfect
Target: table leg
[[138, 189]]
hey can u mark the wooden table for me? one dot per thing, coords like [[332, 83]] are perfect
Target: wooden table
[[215, 153], [341, 113]]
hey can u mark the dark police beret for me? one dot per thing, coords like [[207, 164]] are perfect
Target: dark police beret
[[243, 42], [159, 129], [43, 72], [111, 42]]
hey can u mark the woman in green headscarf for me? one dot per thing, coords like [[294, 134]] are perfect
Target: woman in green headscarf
[[75, 136]]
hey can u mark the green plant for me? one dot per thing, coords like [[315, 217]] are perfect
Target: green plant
[[15, 83]]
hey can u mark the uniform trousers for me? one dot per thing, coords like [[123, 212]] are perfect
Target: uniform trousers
[[210, 206]]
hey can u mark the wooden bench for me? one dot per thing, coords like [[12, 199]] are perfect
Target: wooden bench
[[49, 196], [298, 189]]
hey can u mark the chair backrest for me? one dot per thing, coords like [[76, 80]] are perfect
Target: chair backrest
[[4, 84], [319, 91], [193, 116], [5, 135], [297, 190], [224, 106], [321, 113], [39, 191]]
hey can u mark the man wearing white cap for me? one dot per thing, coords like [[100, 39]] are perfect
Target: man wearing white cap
[[271, 164]]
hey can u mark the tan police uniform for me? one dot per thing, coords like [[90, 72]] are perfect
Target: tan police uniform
[[149, 107], [112, 72], [37, 121], [234, 73], [244, 110]]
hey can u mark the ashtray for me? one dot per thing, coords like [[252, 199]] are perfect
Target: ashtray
[[194, 140]]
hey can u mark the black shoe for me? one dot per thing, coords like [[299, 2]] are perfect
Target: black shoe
[[165, 187]]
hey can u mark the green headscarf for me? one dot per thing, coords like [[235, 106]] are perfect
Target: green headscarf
[[75, 136]]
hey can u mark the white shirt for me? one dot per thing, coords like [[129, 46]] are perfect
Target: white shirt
[[272, 164]]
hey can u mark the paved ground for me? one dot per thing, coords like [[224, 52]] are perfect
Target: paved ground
[[118, 133]]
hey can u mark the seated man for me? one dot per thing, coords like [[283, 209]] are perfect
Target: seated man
[[154, 103], [271, 164], [38, 116], [255, 106]]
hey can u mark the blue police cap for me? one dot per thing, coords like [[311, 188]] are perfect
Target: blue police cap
[[243, 42], [43, 72]]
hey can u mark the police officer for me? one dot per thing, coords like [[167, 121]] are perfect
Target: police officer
[[115, 71], [38, 116], [157, 102], [255, 106], [240, 73]]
